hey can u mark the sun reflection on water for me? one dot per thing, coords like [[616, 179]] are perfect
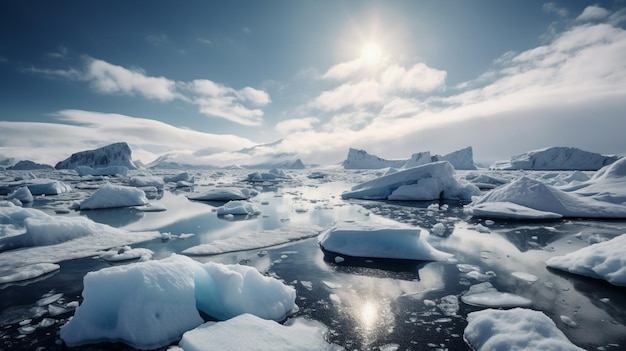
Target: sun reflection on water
[[368, 315]]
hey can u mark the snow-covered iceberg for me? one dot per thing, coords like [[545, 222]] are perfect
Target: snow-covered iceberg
[[605, 260], [111, 196], [432, 181], [377, 240], [42, 186], [248, 332], [223, 194], [556, 158], [360, 159], [104, 171], [22, 194], [515, 329], [536, 195], [151, 304], [460, 159], [117, 154]]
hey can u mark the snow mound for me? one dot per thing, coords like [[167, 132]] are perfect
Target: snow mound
[[151, 304], [111, 196], [254, 240], [117, 154], [536, 195], [223, 194], [26, 272], [432, 181], [604, 260], [608, 184], [485, 295], [377, 240], [360, 159], [556, 158], [237, 207], [104, 171], [22, 194], [254, 333], [515, 329]]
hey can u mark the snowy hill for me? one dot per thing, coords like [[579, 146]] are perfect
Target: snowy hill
[[556, 158], [360, 159], [28, 166], [118, 154]]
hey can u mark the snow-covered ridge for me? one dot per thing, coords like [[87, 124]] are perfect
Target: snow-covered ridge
[[117, 154], [556, 158], [361, 159]]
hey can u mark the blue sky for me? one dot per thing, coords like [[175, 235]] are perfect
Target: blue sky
[[392, 77]]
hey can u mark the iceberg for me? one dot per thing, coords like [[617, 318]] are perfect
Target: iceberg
[[180, 177], [151, 304], [117, 154], [22, 194], [238, 207], [104, 171], [360, 159], [47, 187], [272, 174], [111, 196], [509, 210], [556, 158], [147, 181], [515, 329], [604, 260], [461, 159], [536, 195], [432, 181], [377, 240], [27, 165], [253, 333]]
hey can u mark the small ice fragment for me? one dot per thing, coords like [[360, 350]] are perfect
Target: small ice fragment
[[334, 298], [307, 284], [339, 259], [567, 320], [25, 322], [489, 222], [525, 276], [430, 303], [46, 322], [605, 299], [331, 285], [185, 236], [229, 216], [438, 229], [449, 305], [26, 330]]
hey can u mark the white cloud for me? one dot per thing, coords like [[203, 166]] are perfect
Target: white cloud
[[255, 96], [343, 70], [419, 78], [592, 13], [205, 41], [108, 78], [157, 40], [349, 94], [290, 126], [551, 7]]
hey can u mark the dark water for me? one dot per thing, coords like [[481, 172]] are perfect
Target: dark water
[[366, 304]]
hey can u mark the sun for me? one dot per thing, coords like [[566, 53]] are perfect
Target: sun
[[371, 54]]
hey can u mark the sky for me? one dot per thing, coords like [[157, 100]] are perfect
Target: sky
[[197, 80]]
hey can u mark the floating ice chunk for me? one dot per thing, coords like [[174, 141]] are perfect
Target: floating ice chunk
[[126, 253], [484, 294], [569, 321], [46, 300], [508, 210], [449, 305], [147, 181], [223, 194], [238, 208], [525, 276], [377, 240], [151, 304], [249, 240], [515, 329], [111, 196], [273, 174], [26, 272], [151, 208], [604, 260], [438, 229], [247, 332], [428, 182], [22, 194], [105, 171], [184, 176], [47, 187]]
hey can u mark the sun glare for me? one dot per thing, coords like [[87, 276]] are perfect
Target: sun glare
[[371, 54]]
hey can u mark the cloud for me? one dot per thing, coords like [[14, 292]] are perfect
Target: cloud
[[108, 78], [551, 7], [343, 70], [593, 13], [79, 130], [61, 53], [212, 99], [290, 126], [158, 40], [205, 41]]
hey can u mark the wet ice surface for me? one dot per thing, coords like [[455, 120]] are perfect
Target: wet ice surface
[[367, 304]]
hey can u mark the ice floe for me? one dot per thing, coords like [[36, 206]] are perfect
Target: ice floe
[[515, 329], [238, 207], [223, 194], [432, 181], [147, 181], [111, 196], [151, 304], [126, 253], [485, 295], [42, 186], [556, 158], [605, 260], [248, 332], [22, 194], [376, 240], [15, 274]]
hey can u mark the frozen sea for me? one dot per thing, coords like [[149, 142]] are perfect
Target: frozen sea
[[366, 304]]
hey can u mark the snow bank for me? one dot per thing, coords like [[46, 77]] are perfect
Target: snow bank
[[47, 187], [247, 332], [151, 304], [604, 260], [535, 195], [556, 158], [223, 194], [105, 171], [375, 240], [428, 182], [111, 196], [237, 207], [248, 240], [516, 329]]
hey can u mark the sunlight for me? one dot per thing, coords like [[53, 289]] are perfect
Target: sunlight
[[371, 54], [368, 315]]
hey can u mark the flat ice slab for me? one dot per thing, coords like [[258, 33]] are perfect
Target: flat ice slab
[[223, 194]]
